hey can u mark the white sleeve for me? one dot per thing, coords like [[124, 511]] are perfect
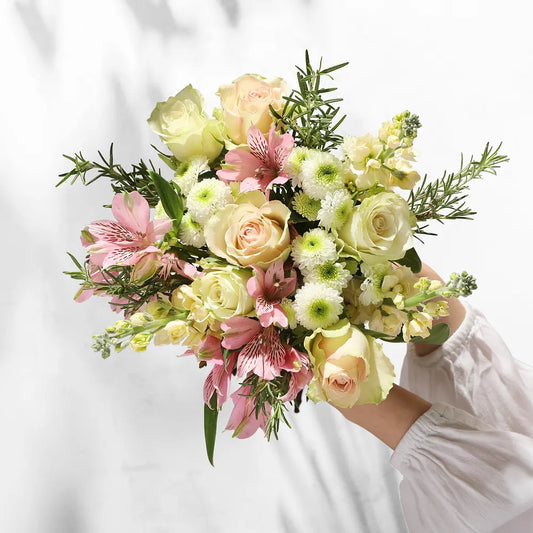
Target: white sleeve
[[461, 475], [473, 370]]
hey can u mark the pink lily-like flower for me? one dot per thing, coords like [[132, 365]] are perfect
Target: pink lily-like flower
[[125, 241], [262, 166], [262, 351], [219, 378], [269, 288], [170, 262], [243, 420], [300, 377]]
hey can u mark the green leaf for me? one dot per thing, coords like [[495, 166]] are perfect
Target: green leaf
[[439, 334], [411, 260], [171, 198], [210, 426]]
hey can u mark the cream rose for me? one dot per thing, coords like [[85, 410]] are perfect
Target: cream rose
[[380, 228], [252, 232], [223, 292], [348, 367], [185, 128], [246, 101]]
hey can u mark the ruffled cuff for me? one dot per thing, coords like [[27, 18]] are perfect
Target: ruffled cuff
[[460, 474]]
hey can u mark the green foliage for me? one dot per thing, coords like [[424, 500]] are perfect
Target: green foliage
[[117, 283], [137, 179], [171, 198], [210, 427], [309, 115], [445, 198], [411, 260]]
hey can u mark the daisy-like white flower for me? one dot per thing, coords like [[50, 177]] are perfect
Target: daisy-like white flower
[[206, 198], [321, 173], [335, 209], [186, 175], [330, 274], [293, 166], [306, 206], [317, 306], [191, 232], [313, 248]]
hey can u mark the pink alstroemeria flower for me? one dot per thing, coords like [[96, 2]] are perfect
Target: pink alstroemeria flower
[[125, 241], [269, 288], [262, 166], [262, 351], [242, 419], [300, 377], [219, 378]]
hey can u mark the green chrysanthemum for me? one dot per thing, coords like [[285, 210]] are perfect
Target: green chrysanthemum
[[306, 206]]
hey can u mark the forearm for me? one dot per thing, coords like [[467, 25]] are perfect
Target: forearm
[[392, 418]]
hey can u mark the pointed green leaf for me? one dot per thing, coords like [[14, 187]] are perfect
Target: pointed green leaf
[[210, 426], [171, 199], [439, 334], [411, 260]]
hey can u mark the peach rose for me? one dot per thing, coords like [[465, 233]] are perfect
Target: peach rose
[[251, 232], [348, 366], [246, 101]]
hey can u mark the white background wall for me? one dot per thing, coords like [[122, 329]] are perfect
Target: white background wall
[[95, 446]]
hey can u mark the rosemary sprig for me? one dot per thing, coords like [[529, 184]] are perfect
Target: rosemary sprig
[[310, 116], [117, 282], [445, 198], [138, 179]]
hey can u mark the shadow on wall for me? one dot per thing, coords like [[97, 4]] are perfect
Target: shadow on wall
[[157, 16], [38, 30]]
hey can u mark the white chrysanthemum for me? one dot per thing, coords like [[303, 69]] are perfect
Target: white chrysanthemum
[[206, 198], [293, 166], [330, 274], [186, 175], [317, 306], [313, 248], [159, 211], [190, 232], [321, 173], [335, 209], [306, 206]]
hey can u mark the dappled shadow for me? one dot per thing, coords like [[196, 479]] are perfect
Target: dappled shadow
[[232, 10], [40, 33], [156, 15]]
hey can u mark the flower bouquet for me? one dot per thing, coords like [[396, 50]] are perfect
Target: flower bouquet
[[279, 252]]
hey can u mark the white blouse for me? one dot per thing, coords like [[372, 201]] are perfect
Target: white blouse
[[467, 463]]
